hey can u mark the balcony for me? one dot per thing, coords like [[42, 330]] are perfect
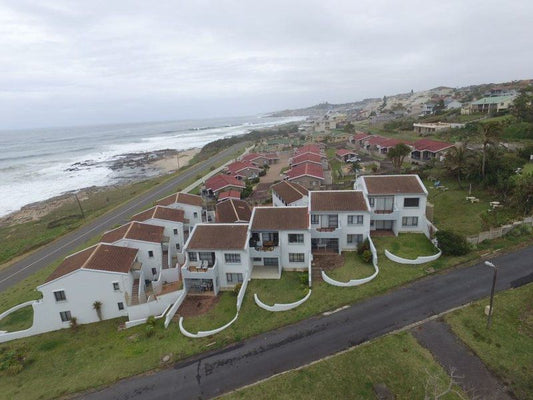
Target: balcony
[[199, 270], [385, 214], [327, 228]]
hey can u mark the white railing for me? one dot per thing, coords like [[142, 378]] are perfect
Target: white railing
[[416, 261], [242, 290], [309, 269], [281, 306], [175, 307]]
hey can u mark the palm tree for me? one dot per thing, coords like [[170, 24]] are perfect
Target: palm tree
[[490, 133], [356, 167], [457, 162], [97, 306]]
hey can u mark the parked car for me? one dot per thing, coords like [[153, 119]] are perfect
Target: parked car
[[353, 159]]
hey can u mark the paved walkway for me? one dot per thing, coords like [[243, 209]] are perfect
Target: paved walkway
[[452, 354]]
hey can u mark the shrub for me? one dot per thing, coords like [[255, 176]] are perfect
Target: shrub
[[212, 168], [151, 321], [366, 256], [237, 288], [74, 324], [304, 279], [12, 361], [452, 243], [149, 330], [363, 246]]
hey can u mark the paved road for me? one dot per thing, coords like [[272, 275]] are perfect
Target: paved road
[[214, 373], [66, 244]]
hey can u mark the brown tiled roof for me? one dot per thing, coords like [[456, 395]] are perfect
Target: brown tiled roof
[[183, 198], [289, 191], [103, 257], [393, 184], [280, 218], [232, 210], [218, 237], [135, 231], [342, 200], [159, 212]]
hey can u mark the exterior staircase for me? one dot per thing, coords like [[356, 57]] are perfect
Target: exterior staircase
[[135, 293], [316, 275]]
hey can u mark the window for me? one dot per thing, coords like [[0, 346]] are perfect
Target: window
[[192, 256], [150, 253], [296, 237], [270, 262], [177, 246], [232, 258], [257, 259], [371, 201], [154, 271], [333, 221], [355, 219], [65, 316], [175, 231], [354, 239], [60, 295], [315, 220], [195, 214], [234, 278], [410, 221], [116, 286], [296, 257], [411, 202], [120, 306]]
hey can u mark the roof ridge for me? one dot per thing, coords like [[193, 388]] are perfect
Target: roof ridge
[[234, 209], [128, 230], [91, 256]]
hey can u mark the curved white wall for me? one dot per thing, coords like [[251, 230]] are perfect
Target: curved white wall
[[281, 306], [202, 334], [418, 260]]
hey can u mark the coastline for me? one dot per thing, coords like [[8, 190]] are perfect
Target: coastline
[[159, 163]]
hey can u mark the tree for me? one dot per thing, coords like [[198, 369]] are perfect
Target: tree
[[349, 128], [97, 306], [439, 107], [397, 154], [489, 134], [457, 162], [522, 107], [355, 167]]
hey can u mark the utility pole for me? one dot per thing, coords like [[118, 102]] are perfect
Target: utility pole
[[489, 318], [79, 205]]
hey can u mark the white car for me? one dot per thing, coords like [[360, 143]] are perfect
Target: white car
[[353, 159]]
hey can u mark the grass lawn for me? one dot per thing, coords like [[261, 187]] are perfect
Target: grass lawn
[[528, 168], [507, 348], [409, 245], [354, 268], [64, 361], [18, 320], [290, 288], [397, 361]]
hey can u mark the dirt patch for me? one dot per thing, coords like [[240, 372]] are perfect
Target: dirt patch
[[328, 262], [193, 306]]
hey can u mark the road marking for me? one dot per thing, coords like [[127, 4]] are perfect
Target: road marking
[[335, 311]]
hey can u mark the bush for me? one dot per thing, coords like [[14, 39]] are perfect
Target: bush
[[74, 323], [366, 256], [452, 243], [304, 279], [12, 361], [149, 330], [237, 289], [151, 321], [363, 246]]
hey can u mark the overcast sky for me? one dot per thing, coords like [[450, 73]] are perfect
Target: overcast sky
[[90, 62]]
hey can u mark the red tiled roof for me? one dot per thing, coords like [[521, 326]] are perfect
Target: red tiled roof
[[220, 181], [392, 184], [306, 169], [309, 148], [251, 157], [338, 200], [376, 140], [238, 166], [431, 145], [307, 157], [280, 218], [391, 142], [232, 210], [103, 257], [135, 231], [344, 152], [289, 192], [360, 136], [229, 194], [218, 237], [159, 212], [182, 198]]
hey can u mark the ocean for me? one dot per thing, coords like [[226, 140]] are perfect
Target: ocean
[[38, 164]]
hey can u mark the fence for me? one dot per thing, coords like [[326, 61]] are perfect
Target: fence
[[495, 233], [283, 306], [418, 260]]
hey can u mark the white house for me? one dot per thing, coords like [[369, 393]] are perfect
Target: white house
[[340, 220], [217, 258], [148, 239], [291, 194], [397, 202], [279, 239], [172, 221], [191, 205]]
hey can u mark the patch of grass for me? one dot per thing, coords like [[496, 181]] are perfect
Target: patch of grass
[[397, 361], [506, 348], [409, 245], [528, 168], [354, 268], [221, 314], [18, 320], [288, 289]]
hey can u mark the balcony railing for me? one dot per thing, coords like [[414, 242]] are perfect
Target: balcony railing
[[327, 228], [383, 211]]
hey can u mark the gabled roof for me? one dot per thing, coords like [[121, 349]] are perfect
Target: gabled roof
[[229, 194], [306, 169], [391, 142], [393, 184], [251, 157], [338, 200], [431, 145], [493, 100], [309, 148], [218, 237], [360, 136], [237, 166], [289, 192], [220, 181], [135, 231], [345, 152], [181, 198], [232, 210], [102, 257], [271, 156], [159, 212], [375, 140], [307, 157], [280, 218]]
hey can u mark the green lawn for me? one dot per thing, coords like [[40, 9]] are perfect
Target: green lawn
[[507, 348], [18, 320], [409, 245], [397, 361], [354, 268], [64, 361], [290, 288], [528, 168]]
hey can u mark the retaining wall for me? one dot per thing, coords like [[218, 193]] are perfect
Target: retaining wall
[[281, 306], [418, 260]]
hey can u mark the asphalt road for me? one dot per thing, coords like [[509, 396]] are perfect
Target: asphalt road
[[217, 372], [64, 246]]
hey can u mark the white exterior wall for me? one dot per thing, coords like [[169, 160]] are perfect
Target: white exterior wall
[[419, 212], [286, 248], [344, 228], [223, 268], [277, 202], [189, 211], [82, 288], [169, 232], [142, 256]]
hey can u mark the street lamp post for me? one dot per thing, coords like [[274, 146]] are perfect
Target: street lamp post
[[489, 318]]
